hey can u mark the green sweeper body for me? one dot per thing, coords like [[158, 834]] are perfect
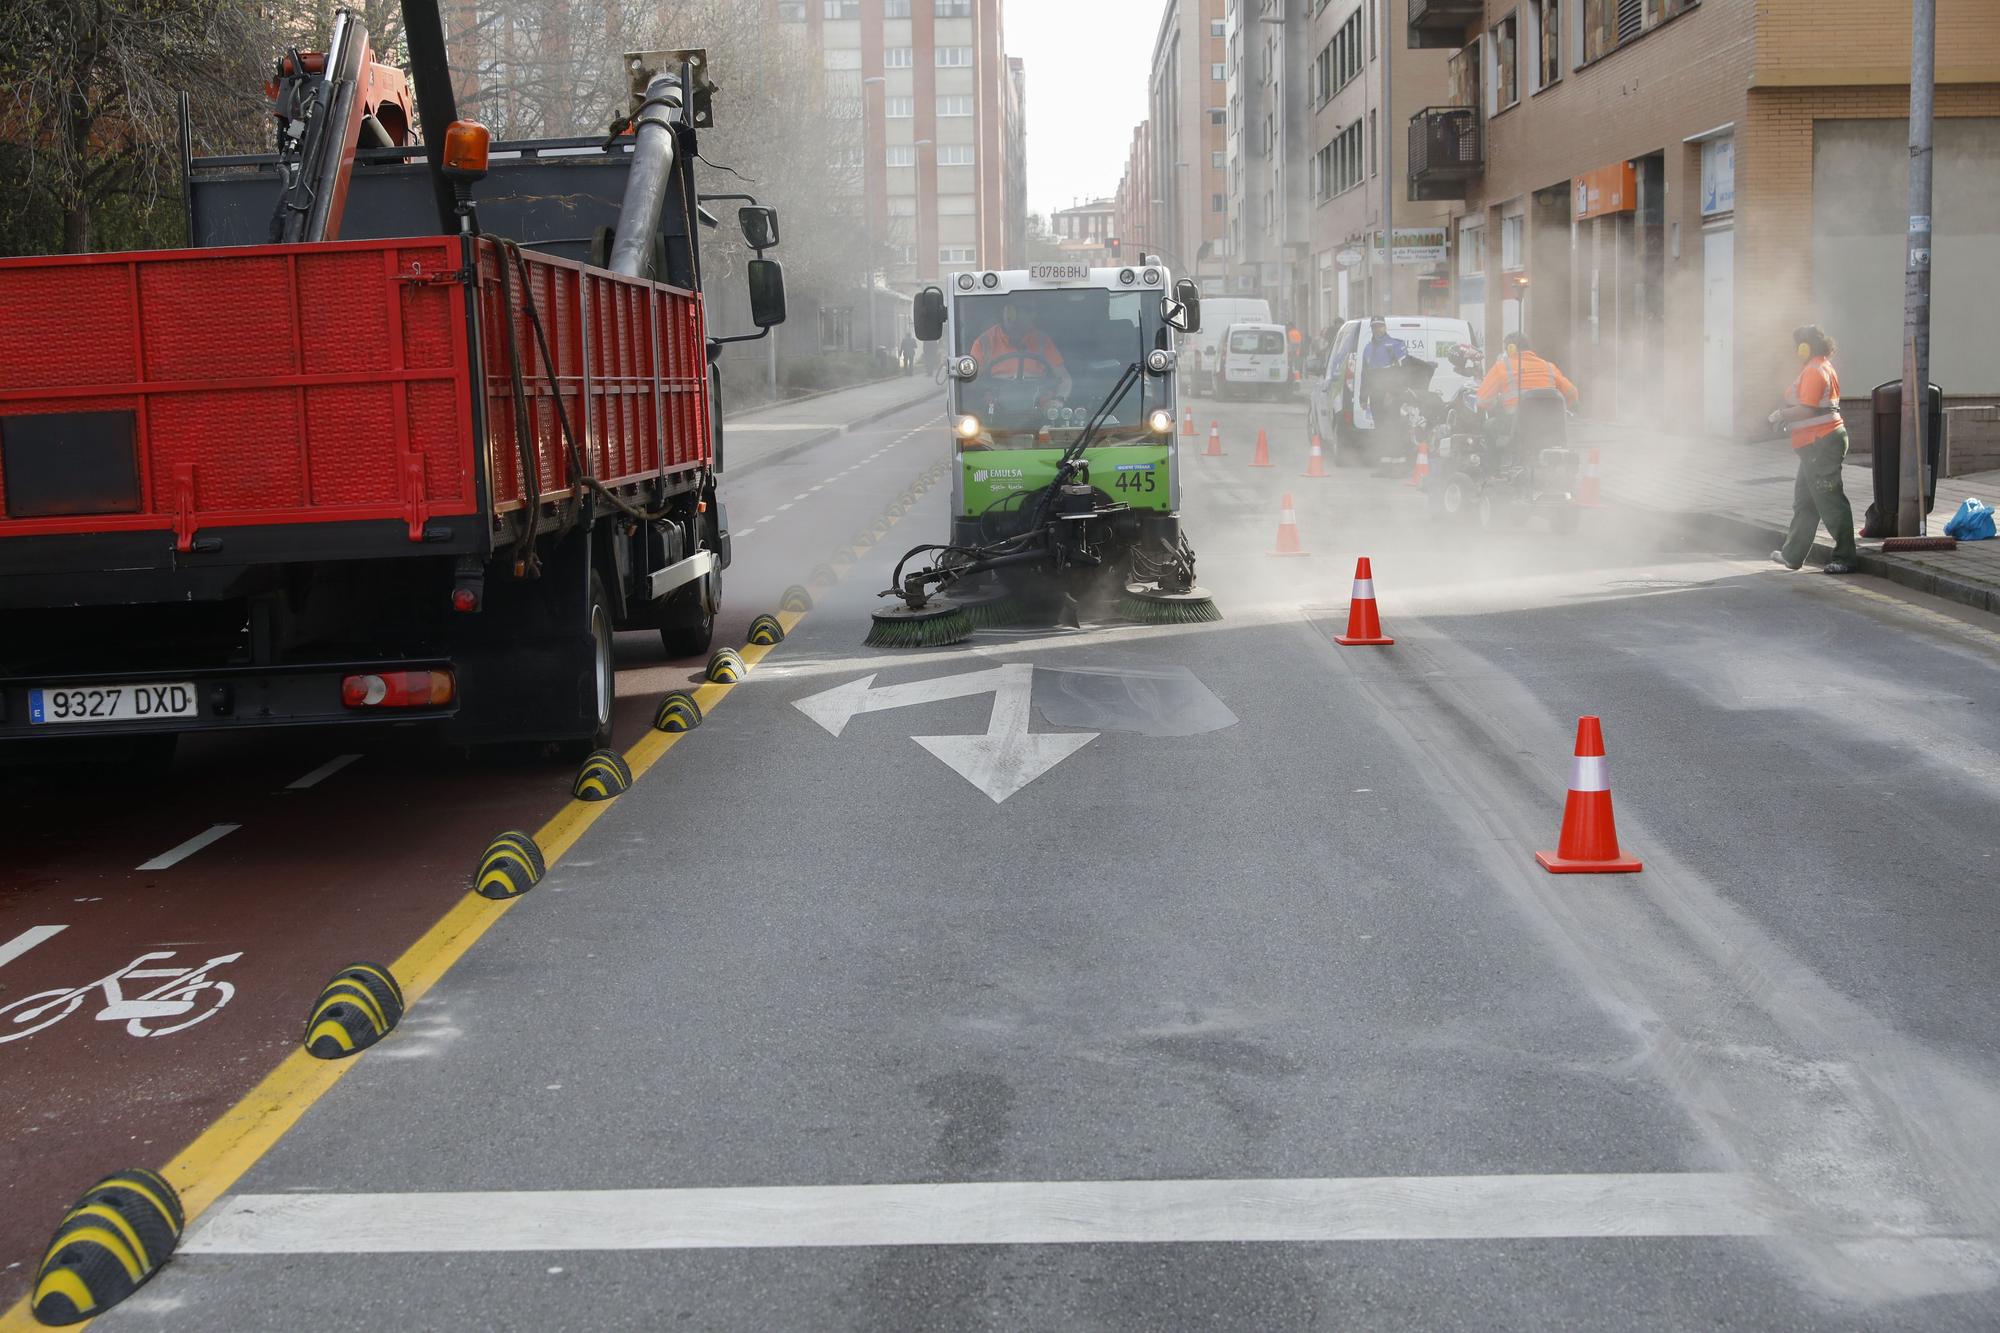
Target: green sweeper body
[[1062, 406]]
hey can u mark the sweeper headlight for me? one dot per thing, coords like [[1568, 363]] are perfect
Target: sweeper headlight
[[965, 368], [1162, 421], [967, 427], [1159, 360]]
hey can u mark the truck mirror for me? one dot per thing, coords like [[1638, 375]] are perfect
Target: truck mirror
[[1189, 297], [767, 293], [927, 315], [760, 226]]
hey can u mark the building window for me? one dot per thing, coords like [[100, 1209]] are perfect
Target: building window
[[1215, 158], [1609, 24], [1338, 165], [1216, 203], [954, 155], [1217, 116], [898, 9], [1511, 230], [1217, 28], [896, 57], [902, 205], [899, 108], [1504, 76], [902, 155], [957, 254], [954, 106], [841, 58], [1218, 70], [906, 255], [1372, 139], [842, 9], [1545, 31], [953, 56], [791, 11], [953, 9], [1471, 248]]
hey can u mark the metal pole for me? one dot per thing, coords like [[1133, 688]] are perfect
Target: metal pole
[[437, 107], [1917, 273], [1388, 170]]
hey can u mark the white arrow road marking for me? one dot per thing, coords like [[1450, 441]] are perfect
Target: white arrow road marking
[[999, 763], [1007, 758], [27, 940]]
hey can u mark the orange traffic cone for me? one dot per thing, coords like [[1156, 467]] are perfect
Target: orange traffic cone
[[1214, 441], [1422, 468], [1288, 529], [1187, 423], [1587, 493], [1315, 461], [1364, 624], [1589, 841], [1262, 458]]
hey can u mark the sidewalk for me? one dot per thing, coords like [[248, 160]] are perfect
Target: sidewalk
[[1744, 490], [763, 435]]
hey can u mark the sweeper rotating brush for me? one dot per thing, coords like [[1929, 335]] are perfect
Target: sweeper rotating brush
[[936, 623], [1158, 606], [995, 610]]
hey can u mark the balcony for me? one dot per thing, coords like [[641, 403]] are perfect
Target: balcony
[[1445, 152], [1442, 23]]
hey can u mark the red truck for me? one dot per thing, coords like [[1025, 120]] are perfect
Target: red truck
[[416, 475]]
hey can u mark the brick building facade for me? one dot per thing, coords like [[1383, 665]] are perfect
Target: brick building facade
[[1658, 190]]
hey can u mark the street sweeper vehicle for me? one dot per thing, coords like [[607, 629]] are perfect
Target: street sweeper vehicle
[[1066, 482]]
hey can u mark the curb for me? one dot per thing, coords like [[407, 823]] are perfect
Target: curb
[[1978, 595], [815, 441]]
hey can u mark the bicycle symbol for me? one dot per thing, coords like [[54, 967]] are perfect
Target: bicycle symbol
[[183, 990]]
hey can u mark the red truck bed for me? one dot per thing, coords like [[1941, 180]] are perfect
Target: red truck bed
[[319, 383]]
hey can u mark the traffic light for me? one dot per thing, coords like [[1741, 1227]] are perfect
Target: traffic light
[[1111, 245]]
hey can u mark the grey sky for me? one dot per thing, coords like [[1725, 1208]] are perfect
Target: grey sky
[[1087, 64]]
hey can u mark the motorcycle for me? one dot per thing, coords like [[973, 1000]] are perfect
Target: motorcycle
[[1497, 471]]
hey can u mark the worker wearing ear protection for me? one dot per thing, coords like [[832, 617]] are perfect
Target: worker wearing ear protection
[[1819, 439]]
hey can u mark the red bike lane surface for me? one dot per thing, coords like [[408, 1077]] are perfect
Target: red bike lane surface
[[352, 869]]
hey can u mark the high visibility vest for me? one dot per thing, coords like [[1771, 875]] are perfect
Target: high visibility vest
[[994, 349], [1506, 383], [1818, 386]]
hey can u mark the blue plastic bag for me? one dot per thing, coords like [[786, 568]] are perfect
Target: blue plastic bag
[[1972, 523]]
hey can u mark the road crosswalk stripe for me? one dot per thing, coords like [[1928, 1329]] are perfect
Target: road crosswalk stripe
[[999, 1213]]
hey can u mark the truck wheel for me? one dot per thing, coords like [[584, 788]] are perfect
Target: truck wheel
[[693, 637], [603, 684]]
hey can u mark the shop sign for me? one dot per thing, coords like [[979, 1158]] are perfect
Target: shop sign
[[1420, 245], [1612, 189]]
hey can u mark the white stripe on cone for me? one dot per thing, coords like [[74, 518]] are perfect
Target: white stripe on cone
[[1589, 772], [1287, 517], [1364, 590]]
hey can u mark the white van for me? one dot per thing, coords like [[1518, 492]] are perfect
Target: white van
[[1338, 411], [1254, 361], [1217, 314]]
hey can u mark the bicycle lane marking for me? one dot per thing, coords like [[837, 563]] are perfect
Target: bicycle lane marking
[[27, 940], [172, 998], [168, 859]]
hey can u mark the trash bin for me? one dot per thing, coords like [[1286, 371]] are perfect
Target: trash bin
[[1887, 404]]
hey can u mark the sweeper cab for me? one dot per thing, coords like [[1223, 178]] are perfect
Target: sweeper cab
[[1062, 389]]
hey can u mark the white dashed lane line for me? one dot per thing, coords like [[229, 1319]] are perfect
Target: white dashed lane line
[[322, 773], [27, 940], [181, 853], [783, 507]]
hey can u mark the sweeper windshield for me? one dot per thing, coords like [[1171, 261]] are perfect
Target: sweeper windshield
[[1048, 358]]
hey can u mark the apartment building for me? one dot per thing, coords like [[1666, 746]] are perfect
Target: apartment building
[[1187, 113], [1267, 152], [944, 113], [1360, 64], [1657, 191]]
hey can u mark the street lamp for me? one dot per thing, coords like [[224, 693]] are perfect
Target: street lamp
[[872, 241]]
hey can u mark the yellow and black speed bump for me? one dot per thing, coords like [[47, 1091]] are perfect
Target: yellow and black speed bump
[[824, 576], [726, 667], [880, 528], [677, 712], [512, 865], [796, 599], [358, 1008], [119, 1234], [604, 775], [862, 541], [841, 559], [765, 631]]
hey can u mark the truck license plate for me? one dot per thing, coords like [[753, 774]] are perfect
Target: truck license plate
[[110, 703]]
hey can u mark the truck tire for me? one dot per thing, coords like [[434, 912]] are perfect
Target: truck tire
[[693, 637], [603, 682]]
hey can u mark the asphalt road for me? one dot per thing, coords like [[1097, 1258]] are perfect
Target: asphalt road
[[1251, 995]]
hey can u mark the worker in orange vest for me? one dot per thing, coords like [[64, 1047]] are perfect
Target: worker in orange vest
[[1519, 368], [1819, 440]]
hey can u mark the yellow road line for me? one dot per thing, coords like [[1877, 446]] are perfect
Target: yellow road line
[[204, 1170]]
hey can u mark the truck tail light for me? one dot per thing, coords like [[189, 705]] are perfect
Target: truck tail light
[[399, 689], [464, 600]]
